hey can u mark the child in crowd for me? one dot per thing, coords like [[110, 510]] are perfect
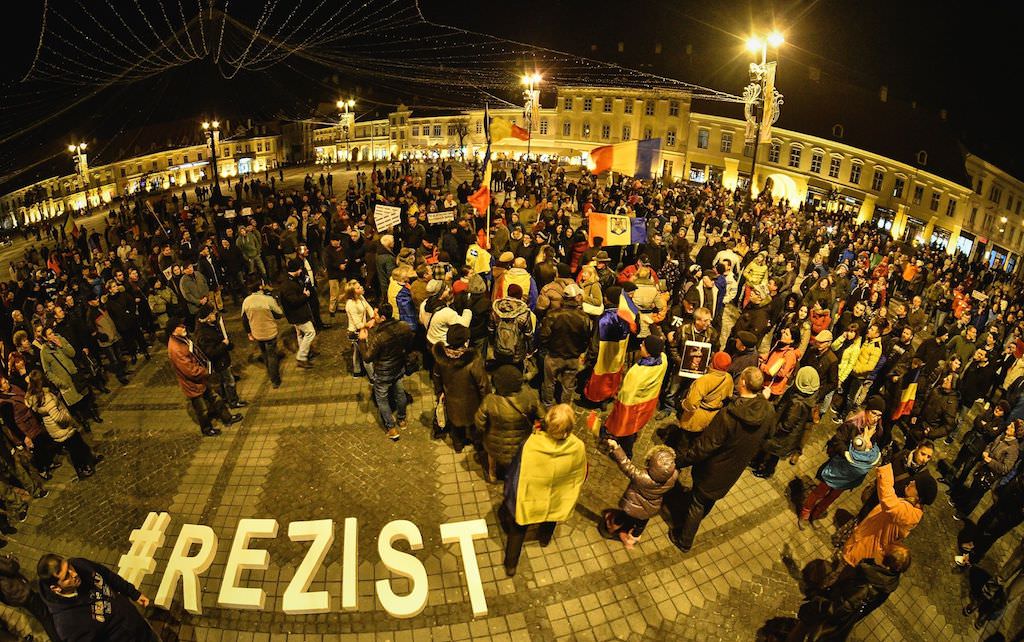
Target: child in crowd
[[642, 499]]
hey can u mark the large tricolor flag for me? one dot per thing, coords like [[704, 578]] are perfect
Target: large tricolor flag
[[638, 398], [612, 342], [481, 198], [502, 128], [616, 230], [632, 158]]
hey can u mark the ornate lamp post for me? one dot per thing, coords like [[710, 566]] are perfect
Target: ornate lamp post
[[212, 130], [531, 101], [761, 101], [346, 127], [81, 168]]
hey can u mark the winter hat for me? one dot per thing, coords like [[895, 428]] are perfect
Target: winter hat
[[457, 335], [655, 345], [477, 284], [571, 291], [823, 337], [507, 380], [807, 380], [747, 338], [434, 286], [407, 256], [876, 403], [294, 265], [506, 258], [721, 361], [564, 271], [927, 489]]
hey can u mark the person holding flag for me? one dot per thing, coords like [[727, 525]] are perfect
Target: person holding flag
[[638, 398], [608, 349]]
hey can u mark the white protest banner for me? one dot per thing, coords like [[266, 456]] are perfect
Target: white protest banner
[[441, 217], [229, 214], [386, 216], [246, 211]]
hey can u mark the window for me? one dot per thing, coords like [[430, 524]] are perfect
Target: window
[[648, 133], [567, 103], [934, 205], [154, 165], [702, 138], [437, 131], [951, 207], [479, 127], [170, 161], [544, 127], [200, 154], [838, 131], [1009, 201], [898, 187], [855, 173], [876, 180], [994, 194], [627, 106], [185, 159], [773, 152], [1017, 209], [673, 108], [726, 146], [586, 129], [588, 104], [670, 137], [649, 108], [918, 194], [627, 132], [833, 167], [748, 149], [268, 146], [451, 130], [974, 215], [606, 131], [922, 157], [259, 148], [122, 173], [794, 156], [606, 105], [816, 160], [566, 129]]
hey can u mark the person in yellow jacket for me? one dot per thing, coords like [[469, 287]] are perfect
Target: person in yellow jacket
[[867, 358], [704, 399]]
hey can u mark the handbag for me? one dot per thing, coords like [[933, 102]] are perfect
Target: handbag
[[440, 419]]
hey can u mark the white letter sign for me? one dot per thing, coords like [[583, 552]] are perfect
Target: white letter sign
[[464, 533], [296, 600], [405, 565], [242, 558], [188, 568]]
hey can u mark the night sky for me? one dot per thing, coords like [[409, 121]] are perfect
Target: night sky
[[939, 55]]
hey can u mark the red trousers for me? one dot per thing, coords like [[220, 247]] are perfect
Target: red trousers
[[819, 500]]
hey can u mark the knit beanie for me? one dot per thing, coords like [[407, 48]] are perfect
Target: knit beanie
[[721, 361], [807, 380]]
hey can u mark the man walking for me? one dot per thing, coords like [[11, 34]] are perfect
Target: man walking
[[385, 343], [260, 313], [720, 455], [295, 301], [564, 338]]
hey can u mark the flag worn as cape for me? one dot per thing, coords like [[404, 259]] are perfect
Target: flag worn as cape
[[638, 398], [545, 478], [612, 340]]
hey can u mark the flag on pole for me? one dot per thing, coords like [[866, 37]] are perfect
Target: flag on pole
[[632, 158], [69, 225], [616, 230], [481, 199], [502, 128]]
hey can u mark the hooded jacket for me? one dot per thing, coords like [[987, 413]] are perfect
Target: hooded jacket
[[506, 419], [852, 598], [890, 521], [459, 374], [643, 497], [727, 445], [102, 608]]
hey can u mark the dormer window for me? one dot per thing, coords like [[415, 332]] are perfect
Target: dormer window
[[922, 157], [837, 131]]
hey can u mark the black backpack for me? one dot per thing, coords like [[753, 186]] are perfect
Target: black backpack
[[511, 337]]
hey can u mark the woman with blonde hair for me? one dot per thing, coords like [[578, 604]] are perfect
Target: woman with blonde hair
[[360, 315]]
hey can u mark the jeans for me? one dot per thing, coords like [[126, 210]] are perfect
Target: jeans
[[698, 506], [272, 359], [113, 355], [304, 333], [358, 366], [226, 383], [563, 371], [389, 394]]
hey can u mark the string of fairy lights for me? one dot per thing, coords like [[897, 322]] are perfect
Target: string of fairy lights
[[89, 48]]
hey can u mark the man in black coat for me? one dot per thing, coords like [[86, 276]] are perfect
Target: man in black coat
[[125, 314], [720, 454], [91, 602], [209, 335], [295, 301]]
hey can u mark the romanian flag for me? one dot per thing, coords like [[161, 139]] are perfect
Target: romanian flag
[[632, 158], [628, 312], [69, 224], [638, 398], [908, 393], [481, 199], [616, 230], [613, 339], [545, 478], [502, 128]]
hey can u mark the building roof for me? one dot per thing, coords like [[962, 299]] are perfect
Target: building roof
[[814, 103]]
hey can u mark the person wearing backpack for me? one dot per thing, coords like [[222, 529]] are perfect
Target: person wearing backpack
[[792, 424], [512, 326]]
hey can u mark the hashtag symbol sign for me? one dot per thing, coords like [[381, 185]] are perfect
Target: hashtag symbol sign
[[139, 561]]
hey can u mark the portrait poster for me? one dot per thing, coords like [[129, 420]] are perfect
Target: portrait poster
[[696, 359]]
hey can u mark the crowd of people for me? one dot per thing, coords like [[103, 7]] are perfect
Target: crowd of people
[[737, 333]]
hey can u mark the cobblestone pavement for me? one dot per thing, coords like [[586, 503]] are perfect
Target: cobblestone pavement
[[312, 449]]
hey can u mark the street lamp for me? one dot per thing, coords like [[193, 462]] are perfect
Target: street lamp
[[531, 98], [345, 106], [758, 104], [81, 168], [212, 130]]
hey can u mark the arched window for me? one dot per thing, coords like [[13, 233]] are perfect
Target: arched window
[[837, 131], [922, 157]]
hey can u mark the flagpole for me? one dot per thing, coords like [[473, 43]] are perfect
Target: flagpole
[[487, 159]]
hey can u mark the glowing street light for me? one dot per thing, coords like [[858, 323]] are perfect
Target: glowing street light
[[211, 128], [345, 106], [758, 103], [78, 156]]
